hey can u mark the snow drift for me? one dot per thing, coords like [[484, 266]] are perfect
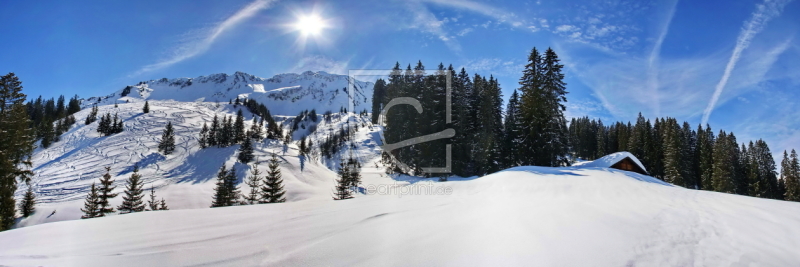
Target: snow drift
[[529, 216]]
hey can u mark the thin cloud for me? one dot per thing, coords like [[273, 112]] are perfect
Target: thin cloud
[[763, 14], [652, 62], [201, 45], [486, 10], [427, 22]]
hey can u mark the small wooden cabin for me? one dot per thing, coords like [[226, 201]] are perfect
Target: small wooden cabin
[[627, 164]]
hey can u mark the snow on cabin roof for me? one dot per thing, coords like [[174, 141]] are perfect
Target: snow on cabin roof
[[608, 160]]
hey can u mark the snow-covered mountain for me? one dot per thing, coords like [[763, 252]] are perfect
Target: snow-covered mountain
[[65, 171], [284, 94]]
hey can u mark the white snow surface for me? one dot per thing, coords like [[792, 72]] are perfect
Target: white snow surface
[[525, 216], [610, 159]]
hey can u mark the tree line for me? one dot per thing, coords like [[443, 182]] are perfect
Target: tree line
[[697, 159], [532, 131], [49, 119]]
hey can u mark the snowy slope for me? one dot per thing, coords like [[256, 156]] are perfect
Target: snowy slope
[[283, 94], [526, 216], [65, 171]]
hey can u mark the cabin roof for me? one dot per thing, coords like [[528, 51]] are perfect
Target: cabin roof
[[611, 159]]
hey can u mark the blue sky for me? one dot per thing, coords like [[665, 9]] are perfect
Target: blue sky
[[735, 64]]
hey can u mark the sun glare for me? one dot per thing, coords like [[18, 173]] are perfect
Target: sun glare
[[310, 25]]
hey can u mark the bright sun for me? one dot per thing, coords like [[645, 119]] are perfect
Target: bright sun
[[310, 25]]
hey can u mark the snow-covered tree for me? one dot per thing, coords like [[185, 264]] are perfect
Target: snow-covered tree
[[203, 139]]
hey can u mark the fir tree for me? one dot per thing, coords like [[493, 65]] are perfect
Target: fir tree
[[167, 143], [132, 198], [791, 175], [152, 203], [225, 192], [163, 205], [146, 108], [204, 137], [238, 128], [48, 134], [723, 180], [512, 134], [92, 117], [106, 187], [255, 130], [342, 190], [272, 191], [246, 151], [543, 94], [672, 153], [28, 204], [355, 171], [90, 205], [378, 94], [254, 182], [213, 133], [220, 192]]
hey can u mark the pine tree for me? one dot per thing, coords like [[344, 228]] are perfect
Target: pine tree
[[378, 94], [246, 151], [706, 152], [342, 190], [220, 192], [791, 175], [163, 205], [672, 153], [90, 205], [28, 204], [543, 94], [92, 117], [255, 130], [272, 191], [230, 185], [225, 192], [146, 108], [214, 132], [167, 143], [254, 182], [355, 171], [48, 134], [723, 179], [105, 194], [238, 128], [152, 203], [203, 140], [132, 198]]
